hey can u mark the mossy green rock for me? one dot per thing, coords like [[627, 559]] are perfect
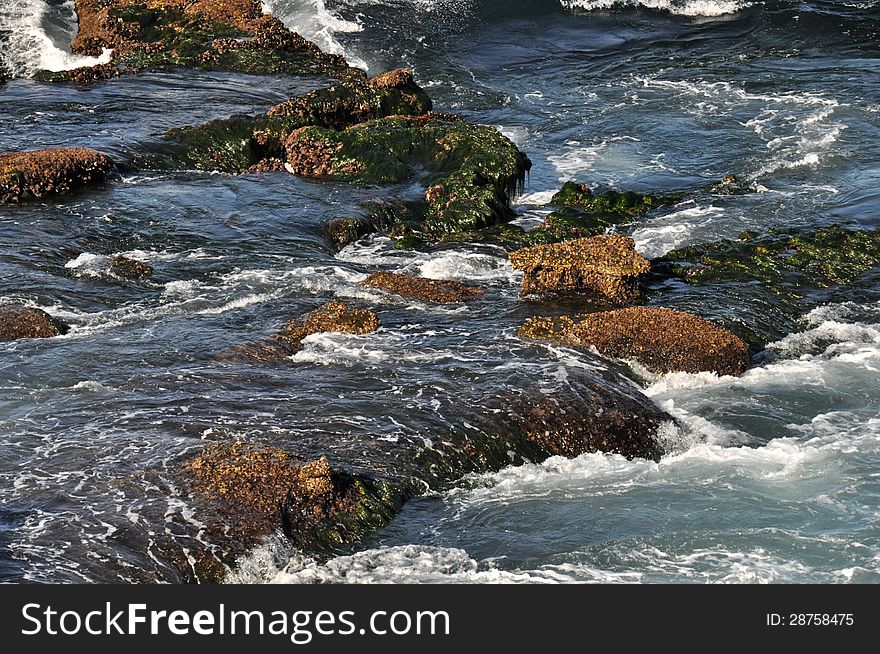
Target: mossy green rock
[[471, 170], [818, 259], [239, 143]]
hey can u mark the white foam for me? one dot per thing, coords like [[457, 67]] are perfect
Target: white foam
[[709, 8], [29, 47], [313, 20], [579, 157], [669, 232], [461, 265]]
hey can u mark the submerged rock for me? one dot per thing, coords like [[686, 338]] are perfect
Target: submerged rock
[[663, 340], [54, 171], [258, 491], [129, 268], [231, 35], [17, 321], [336, 317], [430, 290], [597, 417], [607, 267]]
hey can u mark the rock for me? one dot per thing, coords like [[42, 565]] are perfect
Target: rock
[[663, 340], [475, 168], [729, 185], [17, 322], [356, 101], [257, 143], [257, 491], [783, 258], [607, 267], [429, 290], [336, 317], [231, 35], [129, 268], [55, 171], [594, 416], [82, 75], [610, 201]]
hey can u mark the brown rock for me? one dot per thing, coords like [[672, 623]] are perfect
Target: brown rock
[[252, 492], [607, 267], [332, 317], [592, 416], [55, 171], [430, 290], [393, 79], [129, 268], [663, 340], [17, 321]]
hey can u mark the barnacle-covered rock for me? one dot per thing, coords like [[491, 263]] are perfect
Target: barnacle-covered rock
[[607, 267], [17, 321], [663, 340], [54, 171], [336, 317], [430, 290]]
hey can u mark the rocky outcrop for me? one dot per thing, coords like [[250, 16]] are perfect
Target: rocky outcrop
[[475, 169], [17, 321], [354, 101], [663, 340], [55, 171], [429, 290], [129, 268], [594, 417], [783, 258], [336, 317], [256, 491], [231, 35], [605, 267], [257, 143]]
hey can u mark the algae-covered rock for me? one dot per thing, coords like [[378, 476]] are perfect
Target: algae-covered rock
[[472, 170], [257, 143], [130, 268], [54, 171], [353, 101], [251, 492], [583, 212], [607, 267], [336, 317], [82, 75], [663, 340], [789, 258], [429, 290], [232, 35], [17, 321], [629, 203]]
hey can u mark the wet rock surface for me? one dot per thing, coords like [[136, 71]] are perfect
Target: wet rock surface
[[663, 340], [129, 268], [337, 317], [430, 290], [229, 35], [607, 267], [17, 322], [53, 171]]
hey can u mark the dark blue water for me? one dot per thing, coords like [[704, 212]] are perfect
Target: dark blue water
[[773, 476]]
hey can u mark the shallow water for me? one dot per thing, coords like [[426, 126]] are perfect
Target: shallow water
[[774, 475]]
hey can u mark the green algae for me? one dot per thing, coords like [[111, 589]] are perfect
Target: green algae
[[831, 256]]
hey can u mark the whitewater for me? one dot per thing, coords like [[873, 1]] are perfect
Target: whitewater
[[769, 478]]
